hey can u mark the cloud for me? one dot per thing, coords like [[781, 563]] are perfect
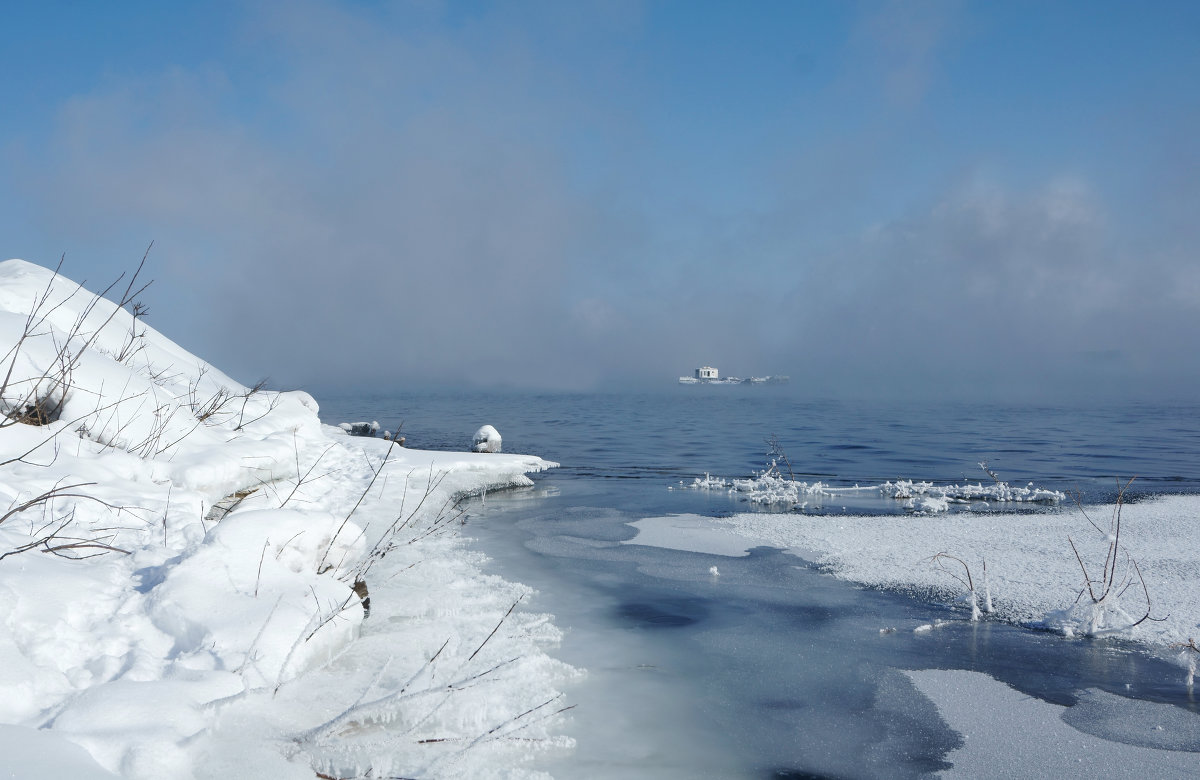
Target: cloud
[[396, 210], [995, 291], [387, 196]]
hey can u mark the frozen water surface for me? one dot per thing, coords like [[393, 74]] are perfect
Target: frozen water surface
[[770, 667], [999, 725]]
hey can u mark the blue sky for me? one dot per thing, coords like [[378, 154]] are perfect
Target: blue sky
[[990, 200]]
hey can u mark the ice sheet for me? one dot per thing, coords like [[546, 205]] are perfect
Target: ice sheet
[[1008, 734], [691, 533], [1032, 574]]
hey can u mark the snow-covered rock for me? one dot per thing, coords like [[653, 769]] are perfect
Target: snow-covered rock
[[360, 428], [486, 439]]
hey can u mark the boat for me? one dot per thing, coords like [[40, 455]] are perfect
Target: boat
[[707, 375]]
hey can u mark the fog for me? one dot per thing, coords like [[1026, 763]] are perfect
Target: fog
[[870, 199]]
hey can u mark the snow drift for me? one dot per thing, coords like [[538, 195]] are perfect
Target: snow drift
[[186, 565]]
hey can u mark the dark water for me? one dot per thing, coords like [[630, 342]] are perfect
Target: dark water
[[773, 669], [722, 430]]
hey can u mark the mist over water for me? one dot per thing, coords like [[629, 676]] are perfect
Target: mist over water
[[771, 668]]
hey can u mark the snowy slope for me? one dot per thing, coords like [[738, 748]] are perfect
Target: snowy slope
[[178, 572]]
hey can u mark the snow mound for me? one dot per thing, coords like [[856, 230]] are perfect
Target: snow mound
[[486, 439], [186, 564]]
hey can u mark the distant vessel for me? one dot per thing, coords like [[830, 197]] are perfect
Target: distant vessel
[[707, 375]]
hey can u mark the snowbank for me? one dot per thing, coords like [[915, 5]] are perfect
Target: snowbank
[[187, 564]]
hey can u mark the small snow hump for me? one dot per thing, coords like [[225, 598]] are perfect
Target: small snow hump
[[486, 439], [360, 428]]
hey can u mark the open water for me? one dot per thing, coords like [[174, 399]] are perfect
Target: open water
[[774, 669]]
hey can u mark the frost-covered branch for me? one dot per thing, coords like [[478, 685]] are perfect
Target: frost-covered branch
[[1189, 655], [1105, 586], [965, 580]]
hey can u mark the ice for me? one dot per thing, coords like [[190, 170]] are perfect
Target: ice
[[688, 532], [992, 717], [772, 487], [1135, 722], [742, 675], [1032, 575], [933, 497], [773, 668]]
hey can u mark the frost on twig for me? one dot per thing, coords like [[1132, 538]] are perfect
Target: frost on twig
[[1189, 655], [966, 580], [1114, 597], [776, 453]]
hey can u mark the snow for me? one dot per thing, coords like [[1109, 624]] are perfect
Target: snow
[[361, 428], [44, 753], [691, 533], [486, 439], [1032, 575], [183, 561], [1055, 741], [772, 487]]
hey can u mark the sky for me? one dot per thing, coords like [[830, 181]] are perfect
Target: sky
[[992, 201]]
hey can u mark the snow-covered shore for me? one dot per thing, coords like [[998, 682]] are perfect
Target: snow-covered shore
[[184, 565]]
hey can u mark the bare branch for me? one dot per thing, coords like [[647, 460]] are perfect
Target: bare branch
[[497, 628]]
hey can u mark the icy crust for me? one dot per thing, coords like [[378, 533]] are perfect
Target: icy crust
[[1033, 575], [772, 487], [184, 563]]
